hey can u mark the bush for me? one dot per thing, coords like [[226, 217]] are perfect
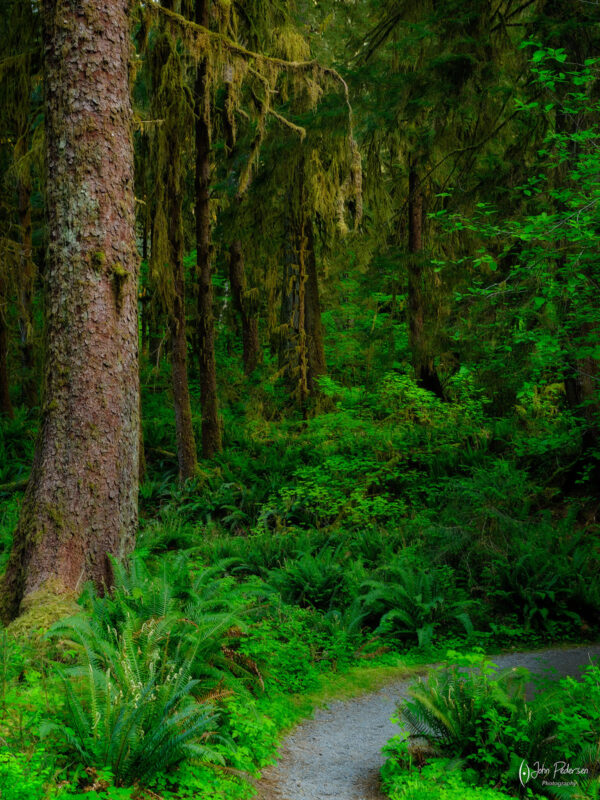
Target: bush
[[408, 602], [312, 581], [130, 705], [22, 776], [481, 720]]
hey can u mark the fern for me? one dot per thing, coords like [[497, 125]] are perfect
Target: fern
[[131, 704]]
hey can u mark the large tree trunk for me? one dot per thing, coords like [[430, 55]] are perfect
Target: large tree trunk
[[418, 337], [81, 500], [245, 309], [211, 430], [5, 403]]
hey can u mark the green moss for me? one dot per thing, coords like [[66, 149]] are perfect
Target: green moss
[[98, 260], [55, 515], [120, 275], [41, 609]]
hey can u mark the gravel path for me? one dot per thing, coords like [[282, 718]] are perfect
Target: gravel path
[[337, 753]]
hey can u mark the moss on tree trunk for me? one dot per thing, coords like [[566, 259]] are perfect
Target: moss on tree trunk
[[244, 307], [211, 430], [418, 334], [80, 505]]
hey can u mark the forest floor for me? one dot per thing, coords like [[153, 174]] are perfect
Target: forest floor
[[337, 753]]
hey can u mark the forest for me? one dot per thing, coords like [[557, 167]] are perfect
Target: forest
[[299, 395]]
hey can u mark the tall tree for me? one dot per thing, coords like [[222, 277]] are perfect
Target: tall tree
[[20, 77], [80, 505], [211, 430], [171, 105], [245, 307]]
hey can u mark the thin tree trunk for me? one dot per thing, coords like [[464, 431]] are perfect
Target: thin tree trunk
[[422, 356], [80, 505], [211, 430], [317, 366], [186, 441], [301, 356], [144, 296], [142, 450], [5, 403], [582, 393], [293, 363], [248, 317], [173, 193], [26, 288]]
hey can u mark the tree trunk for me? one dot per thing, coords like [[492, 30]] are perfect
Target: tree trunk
[[317, 366], [581, 390], [211, 431], [186, 441], [144, 295], [293, 358], [418, 338], [142, 449], [81, 501], [5, 403], [248, 317]]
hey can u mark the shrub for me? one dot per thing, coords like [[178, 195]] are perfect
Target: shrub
[[409, 602], [311, 581], [480, 716], [130, 704]]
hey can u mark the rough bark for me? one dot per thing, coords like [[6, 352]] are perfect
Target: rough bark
[[81, 501], [211, 430], [422, 357], [242, 305]]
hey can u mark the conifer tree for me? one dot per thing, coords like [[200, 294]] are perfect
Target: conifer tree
[[172, 106], [211, 431], [80, 505]]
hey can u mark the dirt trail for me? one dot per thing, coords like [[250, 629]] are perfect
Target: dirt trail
[[337, 753]]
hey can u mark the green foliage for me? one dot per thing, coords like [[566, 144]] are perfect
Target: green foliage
[[312, 581], [480, 721], [408, 601], [438, 780], [130, 704], [377, 515], [479, 716], [22, 776]]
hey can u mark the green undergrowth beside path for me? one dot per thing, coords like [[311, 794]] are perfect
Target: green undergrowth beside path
[[480, 733]]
